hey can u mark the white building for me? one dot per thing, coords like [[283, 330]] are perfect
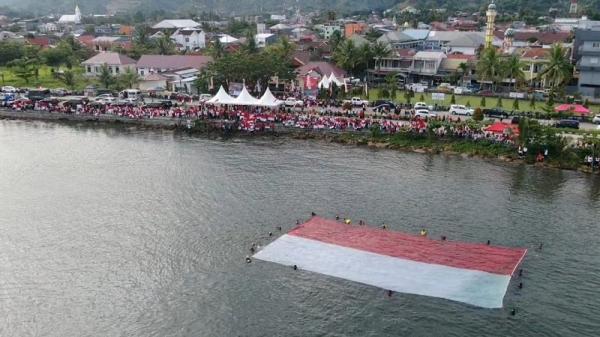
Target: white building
[[264, 39], [328, 30], [116, 63], [189, 39], [176, 24], [71, 18]]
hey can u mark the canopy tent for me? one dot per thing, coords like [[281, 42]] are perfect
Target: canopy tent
[[503, 128], [269, 100], [577, 109], [324, 83], [244, 98], [221, 97], [335, 80]]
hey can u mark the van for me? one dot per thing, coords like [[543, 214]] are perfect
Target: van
[[131, 94]]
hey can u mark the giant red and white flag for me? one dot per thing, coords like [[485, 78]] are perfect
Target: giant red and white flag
[[476, 274]]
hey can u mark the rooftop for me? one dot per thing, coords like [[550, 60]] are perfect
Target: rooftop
[[109, 58], [173, 61]]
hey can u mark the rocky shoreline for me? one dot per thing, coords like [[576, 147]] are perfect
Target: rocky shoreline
[[210, 129]]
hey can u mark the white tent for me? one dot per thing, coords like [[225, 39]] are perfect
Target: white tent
[[333, 79], [269, 100], [221, 97], [324, 83], [245, 98]]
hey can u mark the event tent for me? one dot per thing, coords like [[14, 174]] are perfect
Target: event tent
[[221, 97], [577, 109], [335, 80], [500, 127], [244, 98], [269, 100], [324, 83]]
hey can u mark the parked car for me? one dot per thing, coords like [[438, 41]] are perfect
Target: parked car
[[495, 113], [166, 104], [424, 113], [357, 101], [416, 87], [458, 109], [596, 119], [421, 105], [381, 105], [8, 88], [567, 123], [293, 102], [204, 97], [462, 90]]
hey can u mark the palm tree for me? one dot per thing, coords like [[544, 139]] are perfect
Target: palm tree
[[513, 68], [464, 68], [489, 67], [164, 45], [345, 55], [379, 51], [130, 78], [217, 50], [559, 69]]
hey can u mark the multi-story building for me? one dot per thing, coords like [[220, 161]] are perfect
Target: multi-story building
[[586, 55]]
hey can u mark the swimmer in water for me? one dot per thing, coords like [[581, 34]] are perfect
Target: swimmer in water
[[248, 259]]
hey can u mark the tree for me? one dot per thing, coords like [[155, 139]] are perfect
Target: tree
[[105, 76], [391, 85], [379, 50], [141, 37], [482, 102], [559, 70], [250, 47], [513, 69], [478, 114], [129, 78], [346, 56], [216, 50], [69, 78], [464, 69], [23, 68], [164, 45], [335, 39], [407, 96], [489, 66], [515, 105], [532, 102], [452, 99], [499, 102]]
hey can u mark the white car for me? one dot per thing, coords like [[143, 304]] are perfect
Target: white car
[[105, 99], [204, 97], [292, 102], [596, 119], [421, 105], [457, 109], [424, 113], [8, 88]]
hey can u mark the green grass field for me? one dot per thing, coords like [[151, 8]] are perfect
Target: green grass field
[[46, 79], [475, 101]]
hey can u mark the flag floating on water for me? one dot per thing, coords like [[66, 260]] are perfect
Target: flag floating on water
[[476, 274]]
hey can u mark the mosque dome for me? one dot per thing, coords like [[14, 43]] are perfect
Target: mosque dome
[[492, 7]]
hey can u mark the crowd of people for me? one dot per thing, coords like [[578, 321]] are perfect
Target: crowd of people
[[252, 119]]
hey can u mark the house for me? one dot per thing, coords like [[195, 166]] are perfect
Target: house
[[534, 60], [328, 30], [39, 41], [457, 41], [586, 54], [153, 82], [117, 63], [225, 39], [189, 39], [107, 43], [352, 28], [264, 39], [176, 24], [148, 64], [103, 30], [183, 80], [47, 27], [126, 30], [10, 36], [400, 40], [71, 19]]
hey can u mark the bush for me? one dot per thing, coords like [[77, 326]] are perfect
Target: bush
[[478, 114], [482, 103], [516, 104], [468, 105], [499, 102], [422, 98], [452, 99]]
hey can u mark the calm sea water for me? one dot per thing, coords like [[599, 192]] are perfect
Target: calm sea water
[[118, 232]]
